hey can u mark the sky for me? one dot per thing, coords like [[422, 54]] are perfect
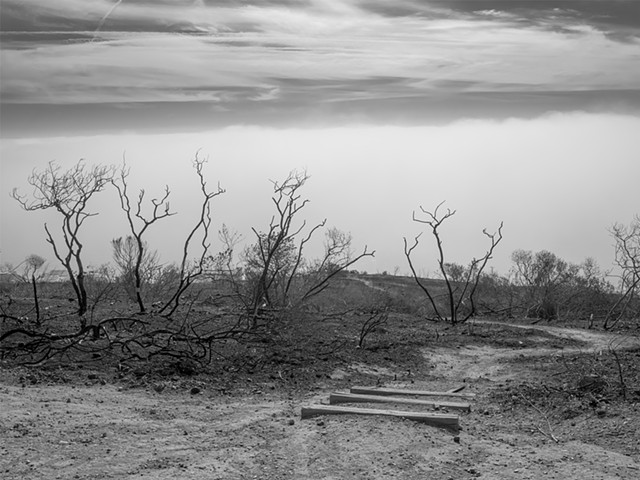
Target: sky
[[525, 112]]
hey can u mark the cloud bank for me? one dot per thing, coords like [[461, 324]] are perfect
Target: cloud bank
[[91, 65], [558, 183]]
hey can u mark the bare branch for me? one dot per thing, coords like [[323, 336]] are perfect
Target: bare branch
[[160, 209], [188, 275], [278, 276], [456, 294], [68, 193]]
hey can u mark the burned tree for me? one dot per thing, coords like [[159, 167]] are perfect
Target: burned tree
[[627, 258], [135, 271], [542, 277], [30, 267], [278, 276], [189, 271], [33, 263], [459, 294], [132, 254], [549, 287], [68, 193]]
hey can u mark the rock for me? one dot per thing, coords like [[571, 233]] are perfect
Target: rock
[[291, 422], [195, 390], [456, 439]]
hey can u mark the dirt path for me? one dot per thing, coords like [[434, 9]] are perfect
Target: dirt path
[[473, 362], [595, 340], [369, 284], [96, 431]]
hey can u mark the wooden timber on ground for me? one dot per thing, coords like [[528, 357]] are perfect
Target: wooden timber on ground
[[457, 389], [435, 419], [395, 391], [338, 397]]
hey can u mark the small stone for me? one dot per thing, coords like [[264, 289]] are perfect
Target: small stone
[[291, 421], [456, 439], [320, 423], [195, 390]]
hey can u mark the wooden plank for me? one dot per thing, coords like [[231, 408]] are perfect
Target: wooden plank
[[395, 391], [355, 398], [436, 419], [457, 389]]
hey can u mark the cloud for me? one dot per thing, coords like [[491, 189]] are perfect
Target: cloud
[[296, 56], [230, 15]]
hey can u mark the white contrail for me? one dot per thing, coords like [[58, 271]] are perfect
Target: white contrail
[[104, 19]]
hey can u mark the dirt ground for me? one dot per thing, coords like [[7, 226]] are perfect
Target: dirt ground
[[528, 419]]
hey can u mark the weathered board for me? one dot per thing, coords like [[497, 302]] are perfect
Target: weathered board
[[457, 389], [396, 391], [435, 419], [338, 397]]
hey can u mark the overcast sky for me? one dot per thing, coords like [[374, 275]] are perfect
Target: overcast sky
[[522, 111]]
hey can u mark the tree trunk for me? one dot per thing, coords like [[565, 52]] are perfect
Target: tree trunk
[[82, 298], [35, 298]]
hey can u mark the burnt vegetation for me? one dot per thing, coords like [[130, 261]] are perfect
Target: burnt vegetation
[[266, 304], [192, 312]]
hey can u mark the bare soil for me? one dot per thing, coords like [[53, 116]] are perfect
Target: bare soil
[[548, 405]]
